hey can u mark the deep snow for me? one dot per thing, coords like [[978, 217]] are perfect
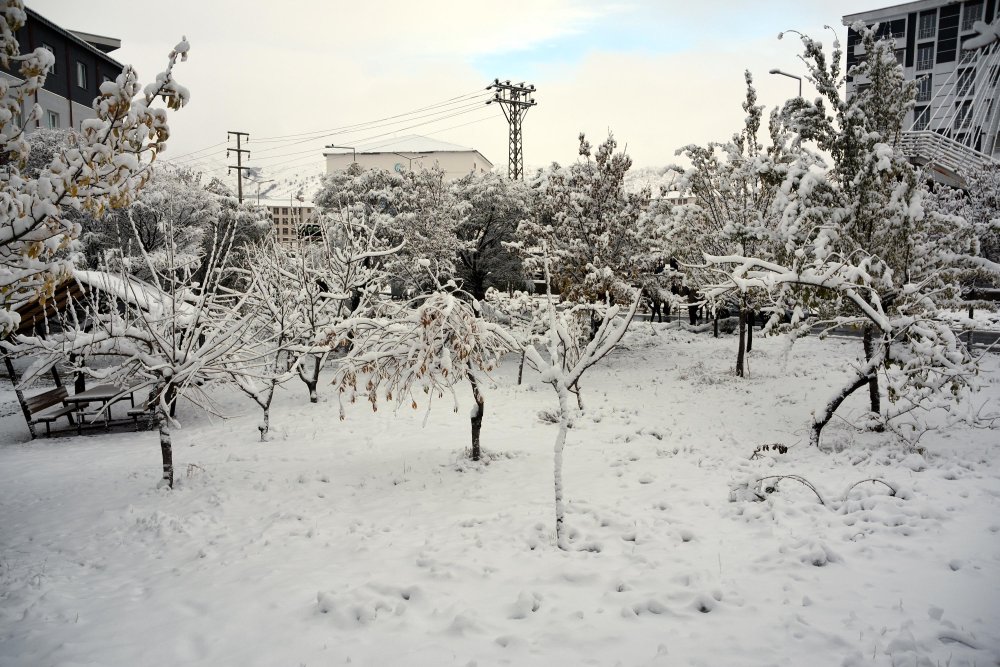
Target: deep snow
[[372, 541]]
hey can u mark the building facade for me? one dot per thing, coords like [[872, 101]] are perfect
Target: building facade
[[293, 220], [954, 124], [409, 153], [82, 64]]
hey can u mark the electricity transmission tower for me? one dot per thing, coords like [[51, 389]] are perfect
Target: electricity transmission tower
[[239, 161], [515, 100]]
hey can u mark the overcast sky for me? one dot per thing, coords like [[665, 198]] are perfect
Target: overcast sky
[[658, 73]]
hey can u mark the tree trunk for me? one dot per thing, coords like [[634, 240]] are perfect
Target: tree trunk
[[741, 351], [873, 392], [265, 424], [563, 393], [824, 417], [520, 370], [715, 323], [311, 381], [171, 400], [166, 449], [750, 320], [969, 337], [477, 417], [20, 395]]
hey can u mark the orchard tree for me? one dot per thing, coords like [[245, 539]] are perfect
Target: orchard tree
[[108, 162], [859, 239], [169, 221], [166, 338], [871, 192], [413, 352], [734, 185], [413, 209], [489, 208], [568, 358], [598, 237]]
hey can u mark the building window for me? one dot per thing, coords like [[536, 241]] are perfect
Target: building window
[[967, 56], [963, 116], [966, 82], [925, 57], [925, 88], [51, 119], [928, 25], [52, 70], [81, 75], [921, 118], [970, 14]]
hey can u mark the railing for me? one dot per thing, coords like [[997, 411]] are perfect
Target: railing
[[929, 147]]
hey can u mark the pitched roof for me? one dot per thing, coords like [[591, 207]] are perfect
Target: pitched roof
[[411, 143]]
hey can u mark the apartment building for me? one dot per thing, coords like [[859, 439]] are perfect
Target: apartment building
[[293, 219], [954, 126], [82, 64]]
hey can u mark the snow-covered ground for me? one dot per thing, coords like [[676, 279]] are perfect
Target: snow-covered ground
[[373, 542]]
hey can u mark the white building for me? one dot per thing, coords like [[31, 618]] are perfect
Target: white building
[[408, 153], [292, 218], [954, 126]]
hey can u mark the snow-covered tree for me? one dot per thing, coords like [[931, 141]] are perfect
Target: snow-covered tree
[[734, 185], [859, 240], [415, 351], [415, 209], [339, 275], [598, 234], [165, 338], [104, 167], [169, 221], [263, 360], [489, 209], [568, 357]]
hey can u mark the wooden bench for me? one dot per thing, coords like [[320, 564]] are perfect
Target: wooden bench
[[48, 406]]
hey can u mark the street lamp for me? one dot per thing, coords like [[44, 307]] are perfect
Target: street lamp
[[790, 76], [270, 180], [354, 153]]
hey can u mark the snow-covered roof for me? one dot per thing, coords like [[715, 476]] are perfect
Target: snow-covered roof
[[411, 143], [133, 291], [272, 203]]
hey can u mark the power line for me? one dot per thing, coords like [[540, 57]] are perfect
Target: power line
[[468, 106], [377, 120], [193, 158]]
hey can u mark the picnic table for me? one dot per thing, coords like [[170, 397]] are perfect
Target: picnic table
[[105, 394]]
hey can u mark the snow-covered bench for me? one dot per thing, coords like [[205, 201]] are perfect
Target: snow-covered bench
[[49, 406]]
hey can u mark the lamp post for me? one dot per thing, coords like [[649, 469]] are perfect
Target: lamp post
[[354, 152], [270, 180], [790, 76]]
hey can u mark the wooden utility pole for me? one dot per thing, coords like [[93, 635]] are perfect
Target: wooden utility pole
[[239, 161]]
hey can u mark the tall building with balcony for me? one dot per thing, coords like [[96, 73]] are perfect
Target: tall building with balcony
[[945, 46], [82, 64]]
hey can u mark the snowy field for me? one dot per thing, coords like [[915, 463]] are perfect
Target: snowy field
[[373, 542]]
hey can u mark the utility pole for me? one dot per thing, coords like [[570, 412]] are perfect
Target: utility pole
[[515, 100], [239, 161]]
